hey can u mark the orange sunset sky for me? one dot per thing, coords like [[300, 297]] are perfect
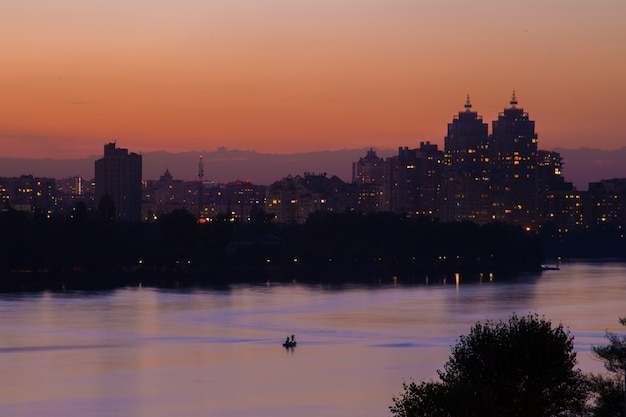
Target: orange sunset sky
[[293, 76]]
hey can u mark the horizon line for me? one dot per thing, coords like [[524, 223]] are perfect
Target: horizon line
[[225, 149]]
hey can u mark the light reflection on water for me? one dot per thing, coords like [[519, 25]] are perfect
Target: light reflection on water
[[149, 352]]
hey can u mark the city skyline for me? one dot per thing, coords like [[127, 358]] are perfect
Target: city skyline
[[282, 77], [582, 166], [468, 139]]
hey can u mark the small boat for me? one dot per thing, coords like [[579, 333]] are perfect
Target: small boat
[[550, 268], [289, 343]]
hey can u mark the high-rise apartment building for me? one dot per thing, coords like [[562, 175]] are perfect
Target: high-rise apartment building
[[368, 174], [118, 174], [605, 203], [413, 181], [559, 203], [467, 188], [514, 167]]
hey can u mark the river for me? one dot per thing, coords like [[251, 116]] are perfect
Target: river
[[217, 352]]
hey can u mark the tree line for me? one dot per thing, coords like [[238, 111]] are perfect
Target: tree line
[[327, 243], [520, 368]]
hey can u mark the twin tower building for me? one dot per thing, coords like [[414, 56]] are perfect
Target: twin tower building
[[479, 177]]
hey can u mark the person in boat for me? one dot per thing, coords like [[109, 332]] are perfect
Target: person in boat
[[290, 342]]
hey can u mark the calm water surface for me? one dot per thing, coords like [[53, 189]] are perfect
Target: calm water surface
[[149, 352]]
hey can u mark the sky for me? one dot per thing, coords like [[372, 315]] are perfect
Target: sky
[[286, 76]]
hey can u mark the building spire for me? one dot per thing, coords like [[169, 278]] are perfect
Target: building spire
[[200, 169], [513, 101], [468, 103], [200, 190]]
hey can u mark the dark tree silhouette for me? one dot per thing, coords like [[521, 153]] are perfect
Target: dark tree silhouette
[[106, 208], [80, 214], [14, 238], [610, 390], [520, 368]]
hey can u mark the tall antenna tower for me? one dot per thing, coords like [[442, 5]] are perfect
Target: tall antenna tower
[[200, 180]]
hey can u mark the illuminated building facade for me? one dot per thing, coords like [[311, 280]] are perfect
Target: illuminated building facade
[[468, 176], [514, 167], [368, 174], [605, 203], [166, 195], [293, 199], [234, 199], [413, 181], [71, 191], [28, 193]]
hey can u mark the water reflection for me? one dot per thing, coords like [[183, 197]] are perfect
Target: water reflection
[[198, 351]]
